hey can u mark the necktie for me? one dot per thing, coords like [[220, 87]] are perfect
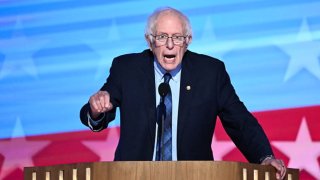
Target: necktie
[[164, 115]]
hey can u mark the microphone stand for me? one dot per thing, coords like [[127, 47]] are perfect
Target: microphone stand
[[161, 130], [163, 90]]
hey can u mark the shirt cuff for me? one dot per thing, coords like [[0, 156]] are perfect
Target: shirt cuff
[[264, 158], [94, 123]]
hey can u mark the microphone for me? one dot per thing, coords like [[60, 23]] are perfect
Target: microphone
[[163, 89]]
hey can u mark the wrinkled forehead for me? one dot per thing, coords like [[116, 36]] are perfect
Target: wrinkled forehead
[[170, 21]]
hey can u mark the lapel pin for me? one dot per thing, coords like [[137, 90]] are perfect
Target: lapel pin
[[188, 88]]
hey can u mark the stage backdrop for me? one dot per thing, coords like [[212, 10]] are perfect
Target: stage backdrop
[[54, 54]]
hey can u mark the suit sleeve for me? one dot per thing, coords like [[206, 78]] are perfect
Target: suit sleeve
[[242, 127], [112, 85]]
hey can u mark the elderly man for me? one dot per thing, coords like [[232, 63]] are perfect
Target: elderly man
[[169, 98]]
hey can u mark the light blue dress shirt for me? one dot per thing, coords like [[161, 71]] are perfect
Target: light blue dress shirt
[[175, 92]]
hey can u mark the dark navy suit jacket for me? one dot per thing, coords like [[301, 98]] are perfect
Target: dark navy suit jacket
[[131, 85]]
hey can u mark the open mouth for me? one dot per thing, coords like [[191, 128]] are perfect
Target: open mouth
[[169, 57]]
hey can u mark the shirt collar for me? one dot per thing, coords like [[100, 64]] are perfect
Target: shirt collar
[[161, 71]]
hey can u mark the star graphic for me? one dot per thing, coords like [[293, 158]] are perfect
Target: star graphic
[[18, 52], [208, 31], [105, 149], [104, 38], [209, 44], [304, 152], [221, 148], [18, 151], [304, 53]]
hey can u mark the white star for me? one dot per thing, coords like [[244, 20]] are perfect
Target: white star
[[18, 152], [208, 33], [109, 36], [18, 52], [304, 54], [304, 152], [105, 37], [221, 148], [209, 44], [105, 149], [113, 34]]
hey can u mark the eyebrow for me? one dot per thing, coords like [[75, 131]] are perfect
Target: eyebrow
[[175, 34]]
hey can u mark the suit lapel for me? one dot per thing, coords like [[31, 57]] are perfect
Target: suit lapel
[[148, 78], [186, 94]]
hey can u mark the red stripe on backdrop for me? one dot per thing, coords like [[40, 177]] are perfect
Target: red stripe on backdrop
[[73, 147], [55, 149], [283, 128]]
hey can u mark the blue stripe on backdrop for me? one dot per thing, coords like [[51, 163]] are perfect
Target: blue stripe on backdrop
[[39, 6], [55, 53]]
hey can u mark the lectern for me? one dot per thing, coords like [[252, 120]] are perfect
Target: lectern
[[160, 170]]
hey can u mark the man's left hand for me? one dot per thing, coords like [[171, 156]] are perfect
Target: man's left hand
[[278, 164]]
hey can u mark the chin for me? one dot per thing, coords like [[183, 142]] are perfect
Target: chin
[[170, 67]]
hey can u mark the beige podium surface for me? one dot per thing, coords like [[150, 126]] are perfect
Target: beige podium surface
[[156, 170]]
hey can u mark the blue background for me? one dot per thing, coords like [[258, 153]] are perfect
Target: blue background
[[54, 54]]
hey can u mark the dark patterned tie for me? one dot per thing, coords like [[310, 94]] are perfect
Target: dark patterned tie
[[164, 141]]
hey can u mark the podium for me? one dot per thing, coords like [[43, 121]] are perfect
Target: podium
[[156, 170]]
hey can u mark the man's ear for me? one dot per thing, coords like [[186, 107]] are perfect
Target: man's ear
[[188, 40], [149, 41]]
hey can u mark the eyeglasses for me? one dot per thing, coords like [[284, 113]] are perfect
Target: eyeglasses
[[163, 38]]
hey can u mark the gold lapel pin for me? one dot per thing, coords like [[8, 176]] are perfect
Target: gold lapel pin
[[188, 88]]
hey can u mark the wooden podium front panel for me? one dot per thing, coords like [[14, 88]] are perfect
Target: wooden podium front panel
[[168, 170], [150, 170]]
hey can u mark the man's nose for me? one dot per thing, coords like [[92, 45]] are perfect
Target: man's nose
[[170, 44]]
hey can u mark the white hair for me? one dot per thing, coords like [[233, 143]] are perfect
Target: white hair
[[153, 18]]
